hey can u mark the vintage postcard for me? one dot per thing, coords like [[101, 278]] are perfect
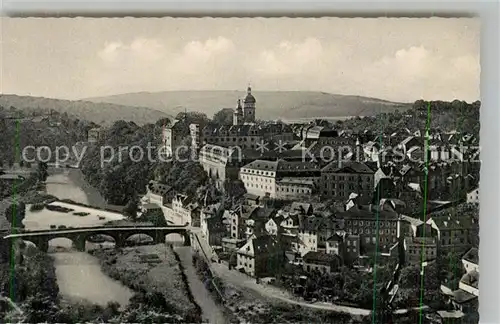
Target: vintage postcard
[[239, 170]]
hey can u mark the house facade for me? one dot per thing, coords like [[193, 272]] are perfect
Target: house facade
[[339, 180], [259, 256], [264, 178], [322, 262]]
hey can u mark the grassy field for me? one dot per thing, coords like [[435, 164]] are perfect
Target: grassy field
[[151, 268]]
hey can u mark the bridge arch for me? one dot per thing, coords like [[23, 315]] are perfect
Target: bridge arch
[[26, 243], [98, 240], [139, 239], [176, 238], [66, 242]]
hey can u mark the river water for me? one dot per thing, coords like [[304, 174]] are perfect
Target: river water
[[79, 274]]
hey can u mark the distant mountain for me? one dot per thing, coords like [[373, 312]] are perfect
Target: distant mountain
[[270, 104], [100, 113]]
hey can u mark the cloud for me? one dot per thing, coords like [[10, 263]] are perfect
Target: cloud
[[428, 74], [417, 71], [289, 58], [148, 64], [110, 51]]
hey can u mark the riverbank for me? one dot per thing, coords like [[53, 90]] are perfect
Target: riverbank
[[151, 269], [94, 198]]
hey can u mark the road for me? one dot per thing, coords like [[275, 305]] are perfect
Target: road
[[268, 291], [241, 280], [211, 311]]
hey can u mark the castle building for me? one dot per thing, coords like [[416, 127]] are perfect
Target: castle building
[[238, 114], [174, 136], [280, 179], [249, 107]]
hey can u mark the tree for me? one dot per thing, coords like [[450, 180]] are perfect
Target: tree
[[42, 171], [15, 213], [410, 277], [162, 122], [156, 217], [224, 117], [132, 207], [193, 117]]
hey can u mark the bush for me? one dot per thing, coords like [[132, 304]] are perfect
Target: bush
[[37, 207], [59, 209], [81, 214]]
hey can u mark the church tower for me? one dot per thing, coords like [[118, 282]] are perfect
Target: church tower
[[238, 114], [249, 107]]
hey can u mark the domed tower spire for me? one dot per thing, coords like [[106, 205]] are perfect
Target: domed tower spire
[[238, 106], [249, 106], [238, 114]]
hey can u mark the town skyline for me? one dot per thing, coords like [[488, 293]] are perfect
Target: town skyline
[[74, 59]]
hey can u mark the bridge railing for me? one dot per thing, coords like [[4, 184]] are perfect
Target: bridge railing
[[21, 232]]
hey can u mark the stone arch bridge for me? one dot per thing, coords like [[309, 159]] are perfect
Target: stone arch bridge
[[80, 235]]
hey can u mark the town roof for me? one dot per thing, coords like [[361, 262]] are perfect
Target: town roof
[[319, 258], [262, 165], [471, 279], [359, 199], [348, 167], [296, 181], [450, 314], [335, 238], [301, 207], [316, 132], [310, 223], [450, 223], [261, 245], [472, 256], [151, 206], [158, 188], [411, 220], [461, 296], [249, 196], [265, 213], [212, 209], [365, 212]]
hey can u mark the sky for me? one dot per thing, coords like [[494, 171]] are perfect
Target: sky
[[397, 59]]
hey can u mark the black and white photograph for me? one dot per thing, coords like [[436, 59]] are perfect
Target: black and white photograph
[[239, 170]]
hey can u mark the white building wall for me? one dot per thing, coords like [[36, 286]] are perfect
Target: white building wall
[[473, 197], [259, 185], [307, 242], [469, 289], [470, 267]]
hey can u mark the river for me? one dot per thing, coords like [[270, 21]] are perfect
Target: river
[[79, 274]]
